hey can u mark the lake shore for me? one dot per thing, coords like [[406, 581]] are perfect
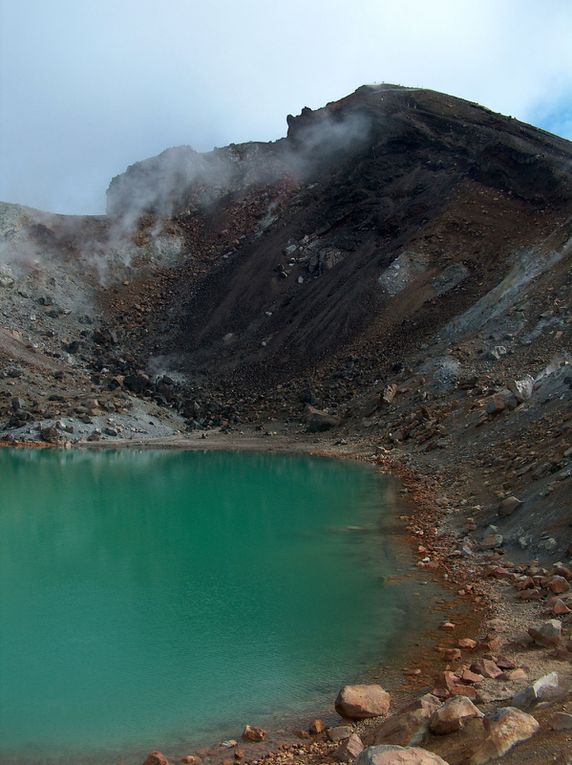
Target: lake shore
[[433, 598]]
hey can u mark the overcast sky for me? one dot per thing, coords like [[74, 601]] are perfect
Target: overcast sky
[[87, 88]]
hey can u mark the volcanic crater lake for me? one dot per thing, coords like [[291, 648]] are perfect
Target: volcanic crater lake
[[154, 599]]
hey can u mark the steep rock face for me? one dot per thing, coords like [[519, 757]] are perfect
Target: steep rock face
[[379, 218]]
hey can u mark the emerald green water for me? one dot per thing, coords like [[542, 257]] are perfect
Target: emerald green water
[[153, 599]]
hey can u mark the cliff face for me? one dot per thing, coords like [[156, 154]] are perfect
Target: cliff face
[[391, 206]]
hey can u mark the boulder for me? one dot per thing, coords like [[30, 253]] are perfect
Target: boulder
[[548, 634], [509, 505], [491, 538], [388, 393], [498, 402], [561, 721], [503, 730], [451, 716], [318, 421], [546, 688], [398, 755], [253, 733], [339, 732], [522, 389], [137, 382], [156, 758], [357, 702], [50, 434], [486, 668], [410, 726], [349, 749]]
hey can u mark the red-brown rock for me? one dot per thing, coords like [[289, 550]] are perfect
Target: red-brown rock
[[357, 702], [349, 749], [486, 668], [156, 758], [452, 714], [558, 585], [317, 726], [253, 733]]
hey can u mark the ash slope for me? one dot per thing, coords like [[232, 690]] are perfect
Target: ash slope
[[401, 260]]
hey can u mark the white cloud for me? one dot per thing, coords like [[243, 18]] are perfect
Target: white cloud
[[87, 88]]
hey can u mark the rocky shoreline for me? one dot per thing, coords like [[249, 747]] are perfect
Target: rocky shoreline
[[502, 644]]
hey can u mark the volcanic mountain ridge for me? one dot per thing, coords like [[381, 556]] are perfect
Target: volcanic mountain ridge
[[397, 269]]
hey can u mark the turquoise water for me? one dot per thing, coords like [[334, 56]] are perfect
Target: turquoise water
[[155, 598]]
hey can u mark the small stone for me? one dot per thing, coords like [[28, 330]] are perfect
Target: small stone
[[156, 758], [558, 585], [191, 759], [513, 674], [388, 393], [467, 643], [253, 733], [534, 594], [471, 677], [561, 570], [509, 505], [317, 726], [561, 721], [464, 690], [548, 634], [229, 743], [559, 607], [447, 680], [491, 539], [349, 749], [361, 701], [448, 626], [504, 663], [546, 688], [339, 732], [486, 668], [451, 716]]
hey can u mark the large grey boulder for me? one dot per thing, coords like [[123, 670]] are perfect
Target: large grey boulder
[[503, 730], [546, 688]]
